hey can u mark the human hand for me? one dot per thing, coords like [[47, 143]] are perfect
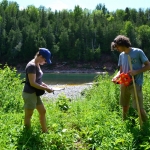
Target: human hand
[[49, 90], [45, 85], [132, 72], [115, 79]]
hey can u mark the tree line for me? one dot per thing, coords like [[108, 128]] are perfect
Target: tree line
[[71, 35]]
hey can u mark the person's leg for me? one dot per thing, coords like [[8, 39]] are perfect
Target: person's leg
[[27, 119], [143, 115], [124, 100], [42, 112], [125, 112], [30, 100], [140, 102]]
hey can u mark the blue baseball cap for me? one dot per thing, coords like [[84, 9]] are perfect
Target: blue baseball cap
[[46, 54]]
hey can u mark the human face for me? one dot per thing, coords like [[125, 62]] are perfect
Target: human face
[[120, 48], [42, 60]]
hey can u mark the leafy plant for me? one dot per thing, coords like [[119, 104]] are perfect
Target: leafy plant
[[10, 90], [63, 102], [92, 122]]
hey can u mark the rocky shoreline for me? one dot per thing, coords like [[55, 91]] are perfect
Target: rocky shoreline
[[69, 71], [71, 91], [76, 67], [75, 71]]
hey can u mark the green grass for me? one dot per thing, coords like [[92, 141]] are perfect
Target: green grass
[[93, 122]]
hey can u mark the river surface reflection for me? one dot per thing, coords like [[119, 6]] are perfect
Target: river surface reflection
[[67, 78]]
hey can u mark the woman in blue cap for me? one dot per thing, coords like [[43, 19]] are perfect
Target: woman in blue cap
[[33, 83]]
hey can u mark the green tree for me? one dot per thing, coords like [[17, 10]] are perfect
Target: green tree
[[78, 50], [127, 14], [2, 39], [49, 37], [11, 13], [33, 13], [43, 17], [129, 31], [64, 45], [97, 54], [144, 37], [147, 16], [133, 15], [79, 35], [4, 4], [14, 43], [77, 13], [120, 15], [102, 7], [29, 44], [140, 17]]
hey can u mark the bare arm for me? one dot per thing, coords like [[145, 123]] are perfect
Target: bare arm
[[117, 75], [143, 69], [32, 80], [44, 84]]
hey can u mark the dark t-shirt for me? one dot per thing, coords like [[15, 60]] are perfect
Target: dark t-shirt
[[31, 68]]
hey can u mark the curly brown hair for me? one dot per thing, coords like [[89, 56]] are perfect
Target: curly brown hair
[[120, 40]]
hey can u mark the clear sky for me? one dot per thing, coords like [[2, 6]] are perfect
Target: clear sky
[[111, 5]]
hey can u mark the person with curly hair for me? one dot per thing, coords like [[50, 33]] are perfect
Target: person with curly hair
[[140, 64]]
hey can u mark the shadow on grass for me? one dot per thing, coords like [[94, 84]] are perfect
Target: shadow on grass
[[141, 135], [29, 140]]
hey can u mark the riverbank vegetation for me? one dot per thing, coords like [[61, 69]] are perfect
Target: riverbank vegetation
[[71, 35], [91, 122]]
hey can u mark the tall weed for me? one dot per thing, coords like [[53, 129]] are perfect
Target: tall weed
[[10, 90], [91, 122]]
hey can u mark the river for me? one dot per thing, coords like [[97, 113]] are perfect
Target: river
[[67, 78]]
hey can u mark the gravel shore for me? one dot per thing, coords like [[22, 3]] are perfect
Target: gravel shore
[[71, 91]]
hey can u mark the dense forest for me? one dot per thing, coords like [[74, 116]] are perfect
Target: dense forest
[[71, 35]]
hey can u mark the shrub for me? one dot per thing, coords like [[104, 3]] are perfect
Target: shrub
[[10, 90], [62, 102]]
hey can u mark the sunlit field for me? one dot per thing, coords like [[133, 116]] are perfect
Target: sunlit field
[[92, 122]]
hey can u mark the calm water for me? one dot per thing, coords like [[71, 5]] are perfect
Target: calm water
[[67, 78]]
